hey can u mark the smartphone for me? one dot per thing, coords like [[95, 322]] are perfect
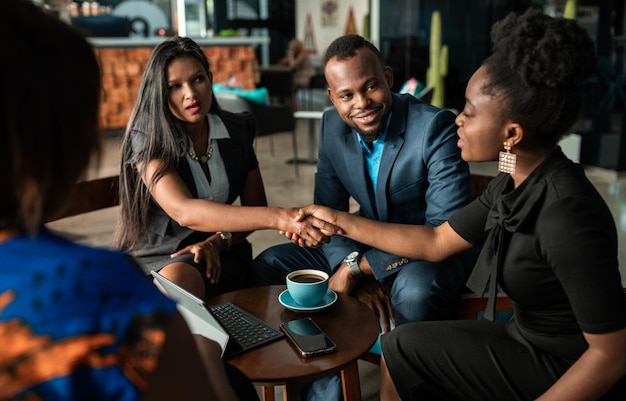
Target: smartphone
[[306, 335]]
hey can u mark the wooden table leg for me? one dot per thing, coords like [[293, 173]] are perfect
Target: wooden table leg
[[268, 393], [350, 382]]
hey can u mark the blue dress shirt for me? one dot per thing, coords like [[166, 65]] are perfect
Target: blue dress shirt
[[374, 154]]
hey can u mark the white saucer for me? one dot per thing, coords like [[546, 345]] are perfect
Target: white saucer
[[287, 301]]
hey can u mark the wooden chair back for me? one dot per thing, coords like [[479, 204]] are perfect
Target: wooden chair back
[[91, 195]]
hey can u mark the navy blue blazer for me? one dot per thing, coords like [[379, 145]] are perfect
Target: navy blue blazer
[[422, 178]]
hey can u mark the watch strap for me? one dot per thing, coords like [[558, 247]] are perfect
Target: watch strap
[[353, 264]]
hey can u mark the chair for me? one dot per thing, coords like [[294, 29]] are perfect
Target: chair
[[426, 94], [279, 84], [311, 101], [92, 195], [270, 119]]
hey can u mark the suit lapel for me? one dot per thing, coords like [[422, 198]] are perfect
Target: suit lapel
[[355, 164], [357, 174], [393, 144]]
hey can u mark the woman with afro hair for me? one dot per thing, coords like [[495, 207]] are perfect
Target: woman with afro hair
[[548, 240]]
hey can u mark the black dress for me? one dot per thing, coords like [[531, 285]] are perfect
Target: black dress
[[552, 245]]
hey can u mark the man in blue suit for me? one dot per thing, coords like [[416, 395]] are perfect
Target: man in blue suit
[[396, 156]]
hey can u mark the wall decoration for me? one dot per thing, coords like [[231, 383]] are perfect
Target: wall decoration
[[310, 45], [350, 24], [329, 12], [347, 16]]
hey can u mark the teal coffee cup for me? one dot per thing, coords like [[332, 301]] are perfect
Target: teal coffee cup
[[307, 287]]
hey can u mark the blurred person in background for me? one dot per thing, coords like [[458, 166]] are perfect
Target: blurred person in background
[[76, 322]]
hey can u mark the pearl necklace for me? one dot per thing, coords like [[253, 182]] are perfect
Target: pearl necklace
[[204, 158]]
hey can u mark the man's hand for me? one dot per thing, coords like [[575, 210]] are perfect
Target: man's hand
[[367, 290], [322, 217], [311, 230], [342, 281], [376, 296], [308, 234]]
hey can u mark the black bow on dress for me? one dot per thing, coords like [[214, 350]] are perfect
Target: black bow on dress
[[506, 216]]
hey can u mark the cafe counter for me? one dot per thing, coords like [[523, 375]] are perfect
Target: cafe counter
[[123, 60]]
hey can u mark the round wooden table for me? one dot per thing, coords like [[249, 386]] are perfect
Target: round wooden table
[[349, 323]]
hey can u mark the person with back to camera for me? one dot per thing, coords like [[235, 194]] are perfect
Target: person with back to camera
[[397, 157], [76, 322], [549, 240], [184, 162]]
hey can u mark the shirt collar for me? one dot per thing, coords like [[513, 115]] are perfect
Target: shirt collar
[[381, 139], [216, 127]]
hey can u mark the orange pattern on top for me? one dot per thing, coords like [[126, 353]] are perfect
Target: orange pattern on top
[[140, 361], [26, 360]]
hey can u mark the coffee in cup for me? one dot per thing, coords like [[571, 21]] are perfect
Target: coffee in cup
[[307, 287]]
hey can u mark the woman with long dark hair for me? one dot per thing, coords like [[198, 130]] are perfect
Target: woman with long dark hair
[[185, 161]]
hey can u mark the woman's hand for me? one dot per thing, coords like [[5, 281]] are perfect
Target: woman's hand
[[209, 251], [322, 217], [314, 218], [305, 232]]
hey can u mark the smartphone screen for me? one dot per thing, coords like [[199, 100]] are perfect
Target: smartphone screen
[[308, 337]]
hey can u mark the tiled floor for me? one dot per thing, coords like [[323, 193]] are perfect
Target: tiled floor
[[285, 189]]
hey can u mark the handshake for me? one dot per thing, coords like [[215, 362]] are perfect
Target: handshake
[[314, 225]]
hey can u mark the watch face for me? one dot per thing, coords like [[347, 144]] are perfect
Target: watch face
[[353, 255], [352, 260], [226, 235]]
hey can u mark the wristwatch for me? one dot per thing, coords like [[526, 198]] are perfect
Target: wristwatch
[[228, 237], [352, 260]]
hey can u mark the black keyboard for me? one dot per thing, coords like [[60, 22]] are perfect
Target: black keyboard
[[246, 331]]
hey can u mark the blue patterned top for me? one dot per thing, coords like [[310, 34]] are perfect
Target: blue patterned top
[[76, 322]]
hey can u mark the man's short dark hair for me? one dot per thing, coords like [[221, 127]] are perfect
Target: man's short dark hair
[[347, 46]]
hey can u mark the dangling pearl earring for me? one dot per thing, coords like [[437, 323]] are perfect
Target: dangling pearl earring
[[507, 161]]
